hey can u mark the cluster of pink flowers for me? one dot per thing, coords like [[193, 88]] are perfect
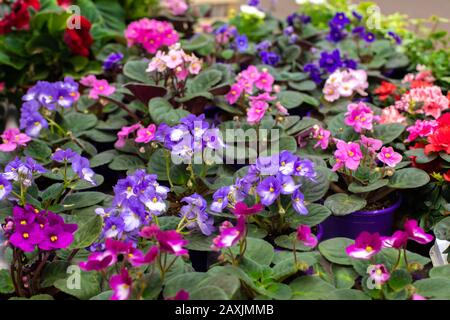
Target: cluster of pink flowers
[[12, 139], [391, 115], [176, 60], [322, 136], [360, 117], [151, 34], [176, 7], [421, 129], [259, 85], [143, 135], [424, 100], [423, 75], [350, 155], [98, 86], [345, 83]]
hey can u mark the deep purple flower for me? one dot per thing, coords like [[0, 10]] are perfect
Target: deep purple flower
[[5, 187], [113, 227], [350, 64], [220, 198], [112, 61], [253, 3], [331, 61], [298, 202], [357, 15], [336, 34], [242, 43], [269, 190], [396, 37], [314, 72], [340, 20], [67, 92], [360, 31], [369, 37], [269, 58], [288, 31]]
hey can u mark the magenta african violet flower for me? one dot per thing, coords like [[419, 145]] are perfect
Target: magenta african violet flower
[[398, 240], [373, 145], [26, 237], [121, 285], [359, 116], [421, 129], [366, 246], [98, 261], [229, 234], [348, 154], [305, 236], [389, 157], [181, 295], [12, 139], [124, 133], [323, 137], [416, 233], [151, 34], [137, 258], [145, 135], [416, 296], [256, 111], [172, 242], [241, 209]]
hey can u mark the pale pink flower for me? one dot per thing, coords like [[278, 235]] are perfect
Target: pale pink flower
[[195, 67], [371, 144], [101, 87], [88, 81], [322, 136], [173, 59], [256, 111], [157, 63], [281, 109], [425, 100], [391, 115], [176, 7], [12, 139]]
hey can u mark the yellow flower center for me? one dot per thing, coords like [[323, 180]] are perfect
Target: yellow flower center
[[369, 249], [23, 222], [37, 124], [54, 238], [271, 189], [387, 155], [351, 153], [283, 163], [155, 200], [219, 200], [379, 272], [26, 235]]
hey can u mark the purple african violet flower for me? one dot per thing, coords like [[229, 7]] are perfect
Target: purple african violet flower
[[288, 185], [269, 58], [304, 168], [253, 3], [31, 120], [263, 45], [358, 16], [369, 37], [24, 216], [5, 187], [330, 61], [314, 72], [287, 162], [298, 202], [196, 210], [366, 246], [340, 20], [396, 37], [62, 156], [81, 167], [337, 34], [269, 190], [220, 199], [350, 64], [241, 43], [112, 61]]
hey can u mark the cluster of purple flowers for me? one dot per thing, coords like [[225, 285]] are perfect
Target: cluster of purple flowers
[[289, 32], [29, 227], [268, 179], [195, 213], [137, 199], [328, 62], [80, 165], [268, 57], [191, 136], [18, 171], [337, 27], [112, 61], [241, 43], [296, 18], [49, 96], [367, 36]]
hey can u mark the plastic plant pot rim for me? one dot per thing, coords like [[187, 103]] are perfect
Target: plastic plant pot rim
[[388, 210]]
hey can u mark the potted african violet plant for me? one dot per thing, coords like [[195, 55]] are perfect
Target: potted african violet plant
[[368, 172]]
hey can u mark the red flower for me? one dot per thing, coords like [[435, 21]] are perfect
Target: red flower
[[385, 90], [19, 17], [447, 176], [444, 120], [440, 139], [64, 3], [420, 84], [79, 40]]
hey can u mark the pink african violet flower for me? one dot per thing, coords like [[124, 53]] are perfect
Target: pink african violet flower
[[171, 242], [121, 285], [430, 99], [305, 236], [422, 129], [12, 139], [123, 134], [281, 109], [176, 7], [234, 94], [416, 296], [322, 136], [229, 235], [424, 74], [265, 81], [371, 144], [181, 295], [26, 237], [416, 233], [366, 246], [398, 240], [151, 34], [379, 274], [137, 258], [241, 209], [348, 155], [360, 116], [98, 87], [391, 115], [145, 135], [345, 83], [256, 111], [389, 156], [98, 261], [2, 86], [173, 59]]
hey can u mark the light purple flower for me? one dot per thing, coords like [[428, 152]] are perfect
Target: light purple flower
[[269, 190], [220, 198], [298, 202]]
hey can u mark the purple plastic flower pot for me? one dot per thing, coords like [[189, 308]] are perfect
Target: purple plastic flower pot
[[350, 226]]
